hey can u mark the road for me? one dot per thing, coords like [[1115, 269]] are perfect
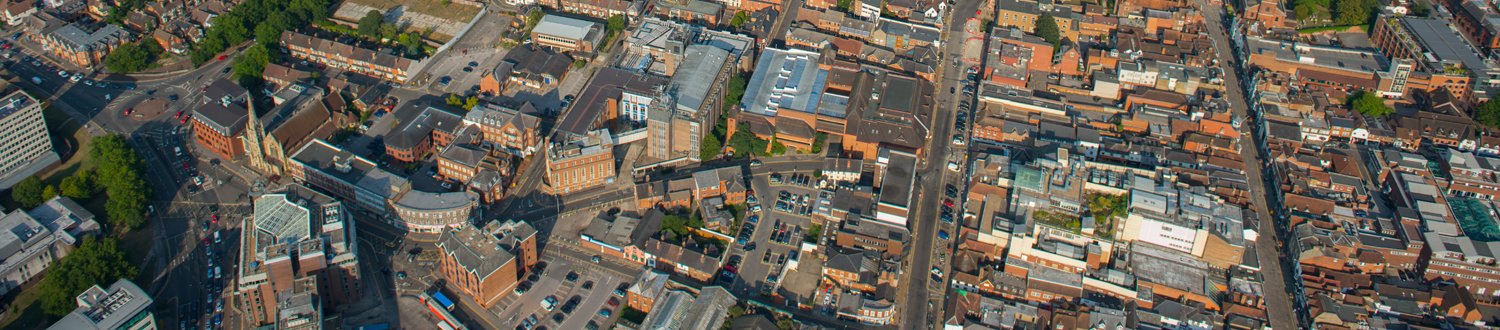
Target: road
[[914, 280], [1278, 297]]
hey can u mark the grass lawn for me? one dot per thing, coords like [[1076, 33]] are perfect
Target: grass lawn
[[450, 11], [25, 312], [71, 142]]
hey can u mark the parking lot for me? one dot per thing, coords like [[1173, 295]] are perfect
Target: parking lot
[[578, 292], [785, 196]]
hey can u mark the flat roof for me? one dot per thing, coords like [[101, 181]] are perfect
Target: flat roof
[[1444, 42], [695, 77], [604, 87], [900, 176], [785, 79], [565, 27]]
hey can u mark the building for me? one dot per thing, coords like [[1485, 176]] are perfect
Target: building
[[346, 176], [219, 121], [348, 57], [486, 264], [124, 306], [698, 86], [579, 162], [1442, 57], [429, 131], [298, 244], [30, 246], [647, 288], [514, 130], [601, 9], [680, 310], [24, 131], [534, 68], [301, 117], [82, 43], [17, 11], [432, 212], [567, 34]]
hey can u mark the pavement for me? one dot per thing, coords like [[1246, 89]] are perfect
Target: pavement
[[1278, 296]]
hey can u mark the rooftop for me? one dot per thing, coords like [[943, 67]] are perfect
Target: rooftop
[[785, 79], [565, 27], [115, 308], [476, 251]]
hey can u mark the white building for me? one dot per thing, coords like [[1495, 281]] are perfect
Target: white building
[[23, 132], [124, 306]]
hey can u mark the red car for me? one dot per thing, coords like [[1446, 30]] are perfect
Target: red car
[[215, 218], [178, 115], [222, 57], [947, 202], [129, 110], [184, 120]]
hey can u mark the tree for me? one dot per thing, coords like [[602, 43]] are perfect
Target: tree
[[249, 68], [846, 5], [1370, 105], [1351, 12], [388, 31], [739, 19], [28, 192], [49, 192], [132, 57], [1421, 9], [818, 141], [1046, 27], [454, 100], [471, 102], [95, 262], [1489, 113], [616, 23], [78, 186], [369, 26], [412, 42], [709, 148], [118, 169], [777, 148], [579, 63]]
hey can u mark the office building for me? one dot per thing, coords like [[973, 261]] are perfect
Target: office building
[[24, 133], [123, 306]]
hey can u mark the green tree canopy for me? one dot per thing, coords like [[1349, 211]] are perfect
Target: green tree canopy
[[1351, 12], [119, 168], [616, 23], [1046, 27], [94, 263], [369, 26], [78, 186], [739, 19], [1370, 105], [1489, 113], [132, 57], [709, 148], [28, 192]]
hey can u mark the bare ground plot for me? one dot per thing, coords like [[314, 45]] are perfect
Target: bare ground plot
[[414, 15]]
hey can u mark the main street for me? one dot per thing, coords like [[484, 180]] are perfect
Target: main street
[[919, 299], [1278, 297]]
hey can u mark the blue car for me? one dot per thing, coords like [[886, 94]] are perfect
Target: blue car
[[943, 234], [604, 312], [753, 219]]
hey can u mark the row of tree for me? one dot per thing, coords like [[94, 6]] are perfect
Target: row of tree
[[374, 27], [262, 20]]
